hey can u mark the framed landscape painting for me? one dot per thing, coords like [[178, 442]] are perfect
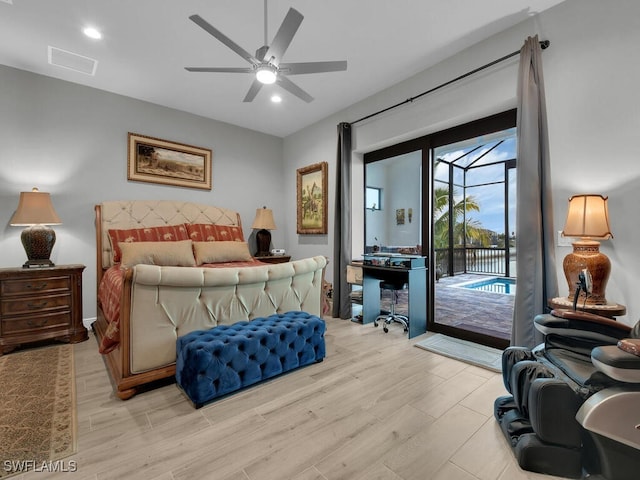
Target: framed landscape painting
[[169, 163], [312, 199]]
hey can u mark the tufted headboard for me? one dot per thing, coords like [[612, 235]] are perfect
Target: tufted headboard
[[127, 214]]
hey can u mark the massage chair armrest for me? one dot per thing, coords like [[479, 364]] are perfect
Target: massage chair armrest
[[583, 325], [611, 413], [616, 363]]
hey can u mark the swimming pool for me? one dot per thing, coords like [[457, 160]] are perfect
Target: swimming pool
[[494, 285]]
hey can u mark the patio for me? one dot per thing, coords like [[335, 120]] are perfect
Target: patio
[[478, 311]]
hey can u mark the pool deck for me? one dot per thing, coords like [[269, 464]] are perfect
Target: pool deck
[[479, 311]]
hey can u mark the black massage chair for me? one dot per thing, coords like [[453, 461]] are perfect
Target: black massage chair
[[574, 404]]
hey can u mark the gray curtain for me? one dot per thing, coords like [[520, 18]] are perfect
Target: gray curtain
[[536, 264], [342, 225]]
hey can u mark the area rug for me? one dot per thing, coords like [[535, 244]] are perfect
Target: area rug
[[465, 351], [37, 409]]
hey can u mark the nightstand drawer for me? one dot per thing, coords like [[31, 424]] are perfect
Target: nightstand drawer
[[35, 286], [35, 304], [40, 304], [35, 323]]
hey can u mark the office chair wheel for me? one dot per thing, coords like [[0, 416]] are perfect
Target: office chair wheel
[[386, 330], [375, 323]]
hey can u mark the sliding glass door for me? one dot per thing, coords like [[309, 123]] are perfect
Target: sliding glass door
[[451, 195], [473, 231]]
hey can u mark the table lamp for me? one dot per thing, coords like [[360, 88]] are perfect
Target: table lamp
[[35, 211], [264, 222], [587, 218]]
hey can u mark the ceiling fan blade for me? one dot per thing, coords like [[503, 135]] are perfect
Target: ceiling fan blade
[[312, 67], [284, 35], [201, 22], [291, 87], [253, 91], [220, 70]]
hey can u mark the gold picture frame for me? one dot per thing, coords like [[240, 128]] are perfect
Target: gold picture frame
[[311, 201], [154, 160]]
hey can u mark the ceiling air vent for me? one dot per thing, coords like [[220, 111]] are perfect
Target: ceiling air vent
[[72, 61]]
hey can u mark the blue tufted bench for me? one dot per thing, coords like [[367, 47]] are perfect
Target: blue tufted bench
[[211, 363]]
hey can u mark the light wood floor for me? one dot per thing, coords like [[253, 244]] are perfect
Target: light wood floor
[[376, 408]]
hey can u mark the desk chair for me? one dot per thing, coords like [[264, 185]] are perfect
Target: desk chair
[[392, 316]]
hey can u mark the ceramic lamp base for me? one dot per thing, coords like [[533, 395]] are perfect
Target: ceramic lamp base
[[586, 254], [38, 241], [263, 239]]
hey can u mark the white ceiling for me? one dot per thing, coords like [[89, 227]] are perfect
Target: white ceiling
[[147, 44]]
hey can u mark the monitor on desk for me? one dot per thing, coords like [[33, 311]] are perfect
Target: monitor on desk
[[394, 260]]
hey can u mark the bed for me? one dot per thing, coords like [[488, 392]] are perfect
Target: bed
[[167, 268]]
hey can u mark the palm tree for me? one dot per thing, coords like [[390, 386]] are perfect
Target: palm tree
[[466, 231]]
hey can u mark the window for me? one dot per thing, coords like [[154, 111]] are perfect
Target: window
[[373, 199]]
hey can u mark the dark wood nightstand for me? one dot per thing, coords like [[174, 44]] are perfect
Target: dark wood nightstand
[[274, 258], [40, 304]]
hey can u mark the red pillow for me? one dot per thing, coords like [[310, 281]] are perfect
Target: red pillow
[[206, 232], [166, 233]]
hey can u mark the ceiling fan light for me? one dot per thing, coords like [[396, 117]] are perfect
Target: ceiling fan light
[[266, 74]]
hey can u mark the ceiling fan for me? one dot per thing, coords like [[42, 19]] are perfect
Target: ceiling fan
[[267, 65]]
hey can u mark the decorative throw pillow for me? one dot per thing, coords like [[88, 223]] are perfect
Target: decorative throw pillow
[[166, 233], [179, 254], [218, 252], [206, 232]]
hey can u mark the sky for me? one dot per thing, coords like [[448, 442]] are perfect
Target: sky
[[491, 197]]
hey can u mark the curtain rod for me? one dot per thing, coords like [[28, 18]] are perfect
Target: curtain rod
[[544, 44]]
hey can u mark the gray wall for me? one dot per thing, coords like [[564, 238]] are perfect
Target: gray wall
[[591, 76], [400, 179], [71, 141]]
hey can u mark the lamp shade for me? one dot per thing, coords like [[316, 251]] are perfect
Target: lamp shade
[[264, 219], [35, 211], [587, 217], [35, 208]]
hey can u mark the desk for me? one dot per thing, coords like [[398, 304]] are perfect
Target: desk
[[408, 268], [354, 279], [610, 310]]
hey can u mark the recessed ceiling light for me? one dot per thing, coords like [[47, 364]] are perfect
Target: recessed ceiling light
[[92, 33], [276, 98]]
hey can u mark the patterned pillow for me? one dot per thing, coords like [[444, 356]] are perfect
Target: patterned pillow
[[166, 233], [206, 232]]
